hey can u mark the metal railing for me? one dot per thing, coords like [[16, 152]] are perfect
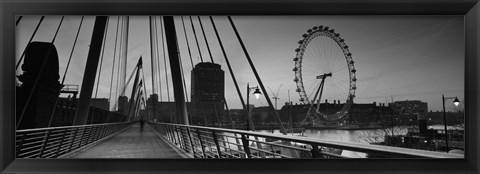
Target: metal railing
[[56, 141], [208, 142]]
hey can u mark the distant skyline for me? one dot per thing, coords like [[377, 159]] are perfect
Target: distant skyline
[[396, 57]]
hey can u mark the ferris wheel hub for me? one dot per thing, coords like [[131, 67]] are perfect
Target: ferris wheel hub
[[324, 75]]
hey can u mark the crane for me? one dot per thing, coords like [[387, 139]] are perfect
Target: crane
[[275, 95]]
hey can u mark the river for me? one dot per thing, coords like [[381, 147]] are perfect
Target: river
[[360, 136]]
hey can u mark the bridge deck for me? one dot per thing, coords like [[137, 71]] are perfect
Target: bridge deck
[[131, 143]]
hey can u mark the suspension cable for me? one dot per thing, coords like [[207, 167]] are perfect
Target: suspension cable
[[145, 91], [206, 41], [195, 34], [157, 115], [183, 77], [18, 20], [119, 64], [29, 41], [66, 70], [228, 65], [257, 76], [158, 59], [124, 53], [126, 84], [154, 62], [153, 55], [186, 39], [113, 64], [73, 48], [58, 29]]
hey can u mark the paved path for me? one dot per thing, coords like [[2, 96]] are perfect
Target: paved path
[[131, 143]]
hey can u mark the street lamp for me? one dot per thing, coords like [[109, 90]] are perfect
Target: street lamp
[[257, 94], [456, 102]]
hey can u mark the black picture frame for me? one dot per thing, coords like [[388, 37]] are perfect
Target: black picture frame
[[470, 9]]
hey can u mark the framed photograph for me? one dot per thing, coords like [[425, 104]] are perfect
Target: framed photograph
[[98, 86]]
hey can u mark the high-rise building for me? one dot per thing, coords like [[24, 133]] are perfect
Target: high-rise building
[[123, 105], [208, 91]]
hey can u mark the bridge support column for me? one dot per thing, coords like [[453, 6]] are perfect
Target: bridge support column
[[88, 82], [171, 38]]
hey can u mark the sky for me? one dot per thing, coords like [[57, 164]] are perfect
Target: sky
[[397, 58]]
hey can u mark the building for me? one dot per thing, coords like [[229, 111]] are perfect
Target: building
[[101, 103], [359, 113], [123, 105], [412, 111], [410, 108], [163, 111], [207, 94]]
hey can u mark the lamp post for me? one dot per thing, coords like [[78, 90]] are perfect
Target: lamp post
[[456, 102], [257, 94]]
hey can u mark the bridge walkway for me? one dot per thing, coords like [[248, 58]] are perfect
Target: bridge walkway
[[134, 142]]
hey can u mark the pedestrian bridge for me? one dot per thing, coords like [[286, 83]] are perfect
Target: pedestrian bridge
[[163, 140]]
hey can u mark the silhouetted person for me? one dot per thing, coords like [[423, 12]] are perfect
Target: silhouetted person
[[40, 81], [141, 125]]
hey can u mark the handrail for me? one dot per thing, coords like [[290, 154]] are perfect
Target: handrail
[[66, 127], [221, 142], [56, 141]]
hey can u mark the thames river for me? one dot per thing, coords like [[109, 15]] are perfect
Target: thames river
[[361, 136]]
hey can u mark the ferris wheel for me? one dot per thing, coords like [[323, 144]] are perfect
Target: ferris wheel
[[324, 70]]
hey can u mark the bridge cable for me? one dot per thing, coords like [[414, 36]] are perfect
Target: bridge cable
[[128, 82], [66, 70], [119, 65], [113, 64], [186, 39], [42, 67], [120, 53], [145, 91], [230, 70], [29, 41], [124, 54], [158, 67], [195, 34], [206, 41], [282, 128], [158, 62], [153, 58], [18, 20], [58, 29], [100, 67], [183, 76]]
